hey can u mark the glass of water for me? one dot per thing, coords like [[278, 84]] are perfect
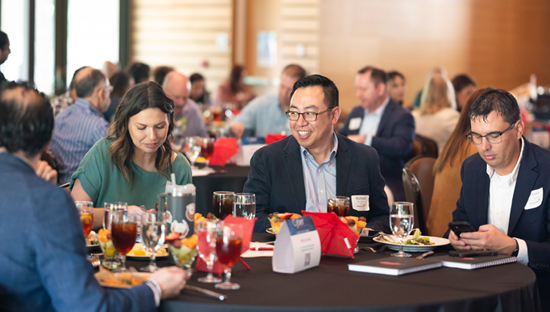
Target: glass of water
[[244, 205], [401, 223], [153, 234]]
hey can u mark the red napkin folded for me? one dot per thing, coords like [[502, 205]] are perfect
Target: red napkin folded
[[271, 137], [224, 149], [248, 227], [335, 235]]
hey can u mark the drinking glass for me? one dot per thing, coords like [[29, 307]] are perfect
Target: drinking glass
[[193, 149], [401, 223], [111, 258], [153, 233], [207, 149], [229, 239], [222, 204], [86, 210], [244, 205], [206, 230], [124, 232], [339, 205]]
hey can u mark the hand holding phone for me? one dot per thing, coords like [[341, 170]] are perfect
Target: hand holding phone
[[459, 227]]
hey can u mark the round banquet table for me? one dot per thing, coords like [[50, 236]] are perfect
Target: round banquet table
[[331, 286]]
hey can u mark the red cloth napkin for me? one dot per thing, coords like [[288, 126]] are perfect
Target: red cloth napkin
[[224, 149], [271, 137], [248, 227], [333, 234]]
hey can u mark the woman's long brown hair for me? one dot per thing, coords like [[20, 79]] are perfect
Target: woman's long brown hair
[[140, 97], [457, 140]]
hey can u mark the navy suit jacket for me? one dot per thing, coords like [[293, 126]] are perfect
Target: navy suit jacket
[[277, 178], [393, 142], [43, 264], [531, 225]]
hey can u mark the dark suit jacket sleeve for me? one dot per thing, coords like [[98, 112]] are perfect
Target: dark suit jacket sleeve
[[258, 183], [379, 211], [355, 112], [400, 143], [62, 265]]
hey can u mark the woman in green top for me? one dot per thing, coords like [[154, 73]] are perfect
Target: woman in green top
[[134, 162]]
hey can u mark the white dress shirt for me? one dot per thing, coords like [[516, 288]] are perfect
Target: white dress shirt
[[370, 123], [501, 193]]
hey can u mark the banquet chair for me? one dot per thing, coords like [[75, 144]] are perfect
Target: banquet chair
[[418, 181], [429, 146], [416, 150]]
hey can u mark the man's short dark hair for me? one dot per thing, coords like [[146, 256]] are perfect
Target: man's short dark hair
[[329, 88], [26, 123], [196, 77], [160, 73], [85, 86], [295, 71], [393, 74], [71, 85], [500, 101], [376, 74], [140, 72], [462, 81], [3, 40]]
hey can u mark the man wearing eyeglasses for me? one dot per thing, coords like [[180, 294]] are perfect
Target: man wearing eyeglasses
[[505, 187], [303, 171]]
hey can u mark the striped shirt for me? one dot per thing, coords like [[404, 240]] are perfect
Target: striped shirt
[[77, 128]]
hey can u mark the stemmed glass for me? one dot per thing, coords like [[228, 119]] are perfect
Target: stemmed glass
[[124, 232], [206, 230], [86, 210], [193, 149], [153, 233], [110, 255], [207, 149], [244, 205], [401, 223], [222, 204], [229, 239]]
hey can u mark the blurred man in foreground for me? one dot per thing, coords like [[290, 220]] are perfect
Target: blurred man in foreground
[[43, 255]]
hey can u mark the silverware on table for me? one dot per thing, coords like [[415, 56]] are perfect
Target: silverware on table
[[368, 248], [424, 255], [382, 248], [207, 292]]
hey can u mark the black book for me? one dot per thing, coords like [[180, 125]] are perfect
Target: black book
[[474, 263], [394, 266]]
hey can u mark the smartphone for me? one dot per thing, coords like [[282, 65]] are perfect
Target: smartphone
[[471, 254], [460, 227]]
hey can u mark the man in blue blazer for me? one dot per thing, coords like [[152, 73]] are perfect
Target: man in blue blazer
[[505, 191], [382, 124], [303, 171], [43, 264]]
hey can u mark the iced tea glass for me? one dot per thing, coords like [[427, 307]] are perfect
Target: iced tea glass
[[111, 258], [207, 149], [339, 205], [124, 232], [222, 204], [86, 210], [206, 230], [229, 239]]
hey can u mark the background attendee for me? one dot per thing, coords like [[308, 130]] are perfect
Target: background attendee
[[187, 114], [121, 82], [303, 171], [160, 73], [267, 113], [397, 86], [79, 126], [234, 91], [42, 256], [436, 119], [4, 53], [66, 99], [198, 89], [421, 97], [140, 72], [464, 86], [382, 124], [134, 162], [447, 172], [110, 68]]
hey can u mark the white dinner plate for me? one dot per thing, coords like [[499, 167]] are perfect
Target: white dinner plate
[[144, 276], [413, 248]]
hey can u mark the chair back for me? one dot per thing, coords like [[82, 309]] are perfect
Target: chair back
[[429, 146], [418, 181]]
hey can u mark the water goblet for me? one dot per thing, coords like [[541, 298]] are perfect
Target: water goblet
[[206, 230], [153, 233], [124, 232], [401, 223], [244, 205], [193, 149], [229, 239]]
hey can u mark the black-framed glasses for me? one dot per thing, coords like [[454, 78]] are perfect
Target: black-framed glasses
[[308, 116], [493, 137]]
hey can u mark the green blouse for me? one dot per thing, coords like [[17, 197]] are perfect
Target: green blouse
[[103, 182]]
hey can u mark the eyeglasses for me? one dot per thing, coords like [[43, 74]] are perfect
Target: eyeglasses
[[493, 137], [308, 116]]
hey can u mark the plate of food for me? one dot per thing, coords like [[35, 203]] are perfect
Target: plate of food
[[276, 219], [138, 252], [412, 243], [270, 231], [92, 242], [107, 278]]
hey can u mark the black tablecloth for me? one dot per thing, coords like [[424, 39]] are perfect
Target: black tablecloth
[[331, 286], [232, 178]]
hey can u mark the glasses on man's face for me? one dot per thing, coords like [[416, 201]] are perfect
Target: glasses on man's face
[[308, 116], [493, 137]]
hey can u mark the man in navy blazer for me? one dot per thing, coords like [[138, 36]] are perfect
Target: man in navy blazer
[[382, 124], [505, 191], [43, 264], [302, 171]]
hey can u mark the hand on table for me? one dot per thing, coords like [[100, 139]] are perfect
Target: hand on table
[[357, 138], [46, 172], [171, 280], [488, 237]]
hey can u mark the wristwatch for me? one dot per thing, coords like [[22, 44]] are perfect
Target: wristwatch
[[516, 251]]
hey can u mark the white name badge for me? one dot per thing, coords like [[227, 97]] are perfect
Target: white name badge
[[360, 202], [297, 247], [355, 123], [535, 199]]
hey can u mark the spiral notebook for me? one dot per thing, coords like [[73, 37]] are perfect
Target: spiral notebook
[[394, 266], [474, 263]]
